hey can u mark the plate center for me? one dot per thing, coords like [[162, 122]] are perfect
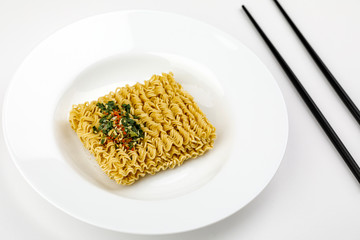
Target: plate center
[[104, 76]]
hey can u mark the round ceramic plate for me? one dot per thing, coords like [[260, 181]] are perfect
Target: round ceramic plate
[[92, 57]]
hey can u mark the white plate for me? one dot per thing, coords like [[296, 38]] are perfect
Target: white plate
[[91, 57]]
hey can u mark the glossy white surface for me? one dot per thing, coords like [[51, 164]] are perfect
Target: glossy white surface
[[312, 196], [128, 68], [92, 57]]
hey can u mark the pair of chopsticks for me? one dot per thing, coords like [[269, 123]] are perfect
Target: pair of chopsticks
[[349, 160]]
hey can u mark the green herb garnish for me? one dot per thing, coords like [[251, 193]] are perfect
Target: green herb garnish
[[118, 125]]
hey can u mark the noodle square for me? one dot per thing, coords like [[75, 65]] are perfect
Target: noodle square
[[173, 126]]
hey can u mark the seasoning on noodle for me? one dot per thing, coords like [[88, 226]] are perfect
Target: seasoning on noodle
[[118, 126]]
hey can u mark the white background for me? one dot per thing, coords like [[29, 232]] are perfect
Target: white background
[[312, 196]]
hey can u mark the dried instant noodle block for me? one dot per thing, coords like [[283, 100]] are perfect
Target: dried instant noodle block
[[174, 129]]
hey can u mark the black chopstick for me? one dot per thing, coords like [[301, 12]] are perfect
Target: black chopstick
[[349, 160], [325, 70]]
